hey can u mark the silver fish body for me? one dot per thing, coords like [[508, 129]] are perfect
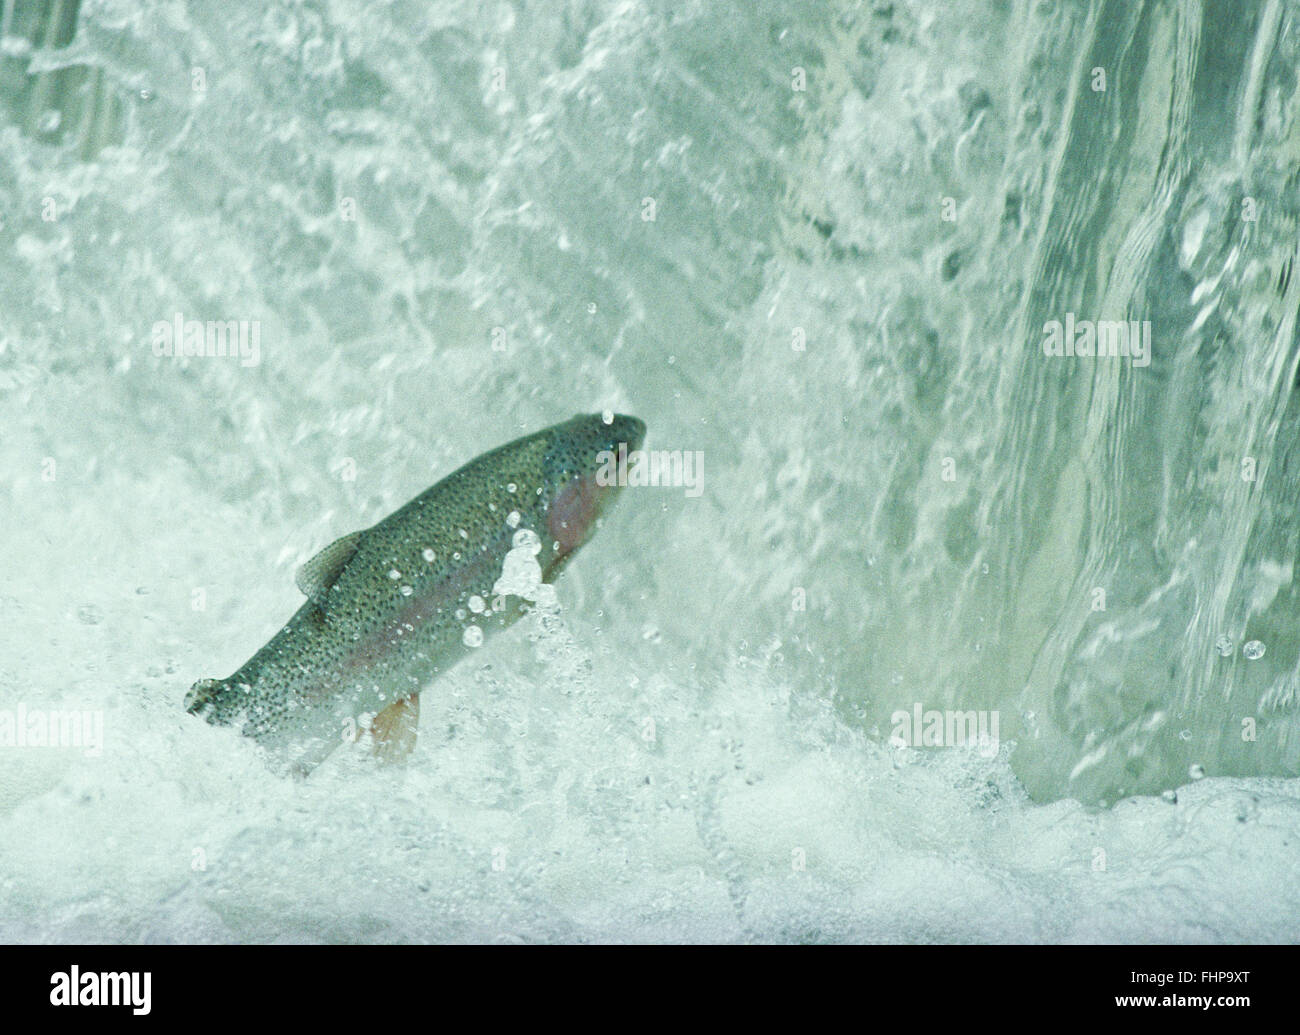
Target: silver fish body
[[393, 606]]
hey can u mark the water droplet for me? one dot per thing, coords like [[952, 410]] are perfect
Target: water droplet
[[1170, 797], [477, 605], [406, 591], [512, 519], [394, 574], [473, 636], [512, 487], [1254, 650], [526, 537], [428, 555], [1224, 646], [1197, 772]]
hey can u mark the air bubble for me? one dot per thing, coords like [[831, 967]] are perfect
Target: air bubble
[[477, 605], [394, 574], [607, 417], [461, 614], [406, 591], [512, 487], [1197, 772], [473, 636], [526, 537], [1224, 646], [1169, 797], [1254, 650], [512, 519]]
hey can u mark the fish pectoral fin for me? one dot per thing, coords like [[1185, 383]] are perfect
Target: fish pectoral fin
[[316, 576], [393, 731]]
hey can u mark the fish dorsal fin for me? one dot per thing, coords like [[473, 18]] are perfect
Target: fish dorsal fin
[[316, 576]]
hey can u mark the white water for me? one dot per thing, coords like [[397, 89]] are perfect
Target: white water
[[689, 755]]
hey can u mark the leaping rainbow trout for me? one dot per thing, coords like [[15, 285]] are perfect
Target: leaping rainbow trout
[[392, 606]]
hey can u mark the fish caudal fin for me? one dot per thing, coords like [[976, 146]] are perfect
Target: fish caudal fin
[[393, 731]]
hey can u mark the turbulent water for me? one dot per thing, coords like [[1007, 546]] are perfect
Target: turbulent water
[[821, 244]]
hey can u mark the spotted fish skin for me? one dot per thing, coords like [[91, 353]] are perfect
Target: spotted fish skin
[[389, 606]]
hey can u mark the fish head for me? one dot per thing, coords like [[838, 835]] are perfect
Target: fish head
[[209, 699], [580, 477]]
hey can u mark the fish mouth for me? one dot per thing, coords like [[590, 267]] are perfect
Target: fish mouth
[[626, 429], [582, 455], [203, 700]]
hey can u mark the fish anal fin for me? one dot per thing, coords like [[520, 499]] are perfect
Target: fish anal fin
[[316, 576], [393, 731]]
